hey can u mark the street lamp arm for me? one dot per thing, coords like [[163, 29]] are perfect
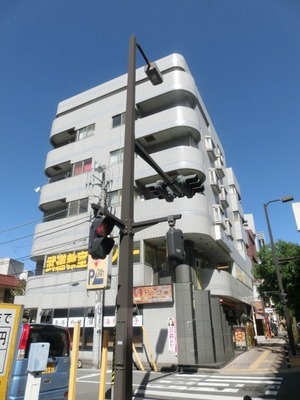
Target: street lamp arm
[[143, 54], [273, 248], [151, 70], [283, 199]]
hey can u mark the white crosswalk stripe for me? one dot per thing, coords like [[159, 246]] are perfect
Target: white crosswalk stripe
[[210, 387]]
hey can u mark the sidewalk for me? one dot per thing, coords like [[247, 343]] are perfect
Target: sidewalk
[[269, 356]]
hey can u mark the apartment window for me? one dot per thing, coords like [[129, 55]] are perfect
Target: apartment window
[[153, 255], [56, 213], [118, 120], [46, 316], [223, 194], [236, 216], [220, 155], [82, 167], [116, 156], [232, 189], [218, 214], [85, 132], [228, 229], [78, 206], [241, 245], [114, 198]]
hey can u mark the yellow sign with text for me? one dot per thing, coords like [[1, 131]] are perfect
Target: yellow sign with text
[[97, 272], [10, 320], [66, 261]]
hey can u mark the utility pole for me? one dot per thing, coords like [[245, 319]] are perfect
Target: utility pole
[[279, 278]]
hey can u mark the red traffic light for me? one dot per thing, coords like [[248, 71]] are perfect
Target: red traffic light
[[102, 229], [100, 244]]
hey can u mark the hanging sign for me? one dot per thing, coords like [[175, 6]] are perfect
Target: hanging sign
[[97, 272]]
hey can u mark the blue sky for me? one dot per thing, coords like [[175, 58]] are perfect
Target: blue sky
[[244, 56]]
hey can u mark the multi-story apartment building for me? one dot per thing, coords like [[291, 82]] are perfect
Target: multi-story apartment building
[[186, 312], [9, 266]]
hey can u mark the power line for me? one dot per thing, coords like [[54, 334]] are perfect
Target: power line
[[46, 230], [20, 226], [37, 220], [73, 242]]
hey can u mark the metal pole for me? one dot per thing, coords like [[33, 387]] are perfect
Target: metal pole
[[98, 326], [123, 357], [279, 279]]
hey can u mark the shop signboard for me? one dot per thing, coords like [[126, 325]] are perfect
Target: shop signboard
[[240, 340], [10, 318]]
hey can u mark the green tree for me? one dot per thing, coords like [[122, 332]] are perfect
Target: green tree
[[289, 263]]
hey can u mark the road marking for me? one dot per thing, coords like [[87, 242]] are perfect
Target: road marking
[[214, 389], [205, 383], [197, 396], [259, 360], [262, 378], [234, 380]]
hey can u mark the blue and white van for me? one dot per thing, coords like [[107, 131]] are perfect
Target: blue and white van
[[55, 378]]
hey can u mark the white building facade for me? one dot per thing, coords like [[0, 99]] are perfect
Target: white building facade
[[202, 298]]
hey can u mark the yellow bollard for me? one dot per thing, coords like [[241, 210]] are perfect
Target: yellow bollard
[[137, 358], [102, 384], [74, 359], [149, 349]]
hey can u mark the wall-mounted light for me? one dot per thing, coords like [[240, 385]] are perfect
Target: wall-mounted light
[[223, 267]]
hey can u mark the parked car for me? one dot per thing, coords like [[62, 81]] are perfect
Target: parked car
[[55, 378]]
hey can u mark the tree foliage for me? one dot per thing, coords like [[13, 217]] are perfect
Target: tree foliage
[[289, 263]]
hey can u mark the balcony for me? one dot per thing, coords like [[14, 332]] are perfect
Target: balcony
[[214, 181], [218, 215], [59, 161], [62, 138], [223, 198], [59, 235], [221, 283], [235, 204], [67, 189], [228, 230], [172, 127], [219, 167], [222, 238], [178, 87], [210, 148]]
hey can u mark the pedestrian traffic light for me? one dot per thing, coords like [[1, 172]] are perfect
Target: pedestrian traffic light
[[175, 246], [100, 244], [282, 298], [190, 184], [161, 190]]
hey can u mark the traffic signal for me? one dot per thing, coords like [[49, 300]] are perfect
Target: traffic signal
[[190, 185], [282, 298], [175, 246], [100, 244], [161, 190]]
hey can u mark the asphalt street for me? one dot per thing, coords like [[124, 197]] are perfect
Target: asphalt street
[[263, 373]]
